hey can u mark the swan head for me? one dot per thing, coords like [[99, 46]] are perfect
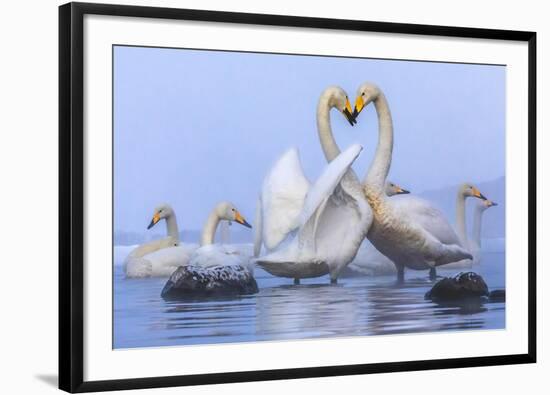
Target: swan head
[[161, 212], [229, 212], [489, 203], [366, 93], [469, 190], [393, 189], [338, 98]]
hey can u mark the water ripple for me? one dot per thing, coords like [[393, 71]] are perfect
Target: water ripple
[[357, 306]]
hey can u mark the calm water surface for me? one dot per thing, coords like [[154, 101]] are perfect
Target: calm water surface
[[357, 306]]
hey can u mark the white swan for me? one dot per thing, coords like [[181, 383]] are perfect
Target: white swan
[[159, 258], [210, 254], [475, 241], [214, 269], [330, 227], [465, 190], [284, 189], [411, 232], [328, 241]]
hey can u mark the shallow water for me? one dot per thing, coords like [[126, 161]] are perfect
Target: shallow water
[[357, 306]]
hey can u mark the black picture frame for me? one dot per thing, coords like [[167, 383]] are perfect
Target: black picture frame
[[71, 197]]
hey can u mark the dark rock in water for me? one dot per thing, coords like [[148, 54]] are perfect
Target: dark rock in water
[[462, 286], [192, 281], [498, 295]]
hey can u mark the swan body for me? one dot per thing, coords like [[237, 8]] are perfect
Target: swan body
[[413, 234], [311, 230], [410, 232], [214, 269], [160, 263], [329, 228], [159, 258], [210, 254], [219, 255], [369, 261]]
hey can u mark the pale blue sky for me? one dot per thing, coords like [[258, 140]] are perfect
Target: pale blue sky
[[192, 128]]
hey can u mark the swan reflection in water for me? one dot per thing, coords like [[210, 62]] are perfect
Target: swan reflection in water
[[360, 306]]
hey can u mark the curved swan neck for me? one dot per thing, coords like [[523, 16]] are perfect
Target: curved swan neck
[[461, 216], [380, 166], [330, 148], [172, 227], [476, 230], [209, 229]]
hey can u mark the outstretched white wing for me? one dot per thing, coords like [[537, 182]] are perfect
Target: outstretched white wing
[[332, 225], [325, 186], [282, 198], [336, 215]]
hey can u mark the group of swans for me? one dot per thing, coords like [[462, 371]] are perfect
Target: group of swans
[[214, 268], [310, 229], [161, 258]]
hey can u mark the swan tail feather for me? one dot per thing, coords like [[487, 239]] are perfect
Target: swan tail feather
[[453, 253]]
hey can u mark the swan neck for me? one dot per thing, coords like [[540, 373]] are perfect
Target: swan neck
[[476, 230], [209, 229], [326, 138], [380, 166], [461, 217], [172, 228]]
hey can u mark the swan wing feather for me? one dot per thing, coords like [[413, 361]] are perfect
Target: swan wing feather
[[328, 182], [424, 214], [218, 255], [282, 198], [317, 248]]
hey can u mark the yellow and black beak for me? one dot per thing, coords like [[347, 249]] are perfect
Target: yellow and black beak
[[401, 191], [359, 105], [156, 218], [347, 113], [476, 193], [239, 219], [490, 203]]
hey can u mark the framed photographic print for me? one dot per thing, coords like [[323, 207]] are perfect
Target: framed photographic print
[[250, 197]]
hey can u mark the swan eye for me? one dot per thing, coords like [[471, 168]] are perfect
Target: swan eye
[[363, 94]]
